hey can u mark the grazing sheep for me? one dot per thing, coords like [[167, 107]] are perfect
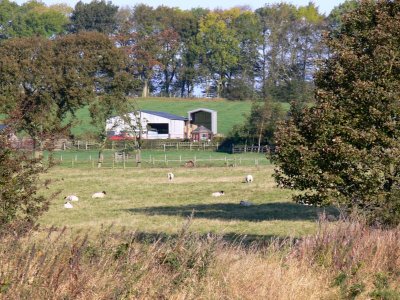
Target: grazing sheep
[[248, 179], [218, 194], [245, 203], [71, 198], [68, 205], [99, 195], [170, 176]]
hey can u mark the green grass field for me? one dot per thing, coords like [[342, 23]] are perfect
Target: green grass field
[[158, 158], [144, 201]]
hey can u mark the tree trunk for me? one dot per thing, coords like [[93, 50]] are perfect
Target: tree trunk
[[260, 135], [145, 91], [37, 148], [101, 156], [139, 158]]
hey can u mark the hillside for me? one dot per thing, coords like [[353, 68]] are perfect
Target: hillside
[[230, 113]]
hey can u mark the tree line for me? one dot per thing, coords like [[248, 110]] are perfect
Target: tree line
[[271, 52]]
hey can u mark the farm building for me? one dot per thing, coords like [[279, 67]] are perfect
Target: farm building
[[203, 117], [154, 125], [201, 133], [163, 125]]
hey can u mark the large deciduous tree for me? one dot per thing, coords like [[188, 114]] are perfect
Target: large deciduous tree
[[97, 15], [346, 149], [42, 80], [31, 19]]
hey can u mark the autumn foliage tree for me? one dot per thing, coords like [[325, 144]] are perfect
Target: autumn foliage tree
[[43, 81], [345, 150]]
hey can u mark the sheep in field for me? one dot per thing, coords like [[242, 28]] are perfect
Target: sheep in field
[[71, 198], [248, 178], [218, 194], [68, 205], [170, 176], [99, 195]]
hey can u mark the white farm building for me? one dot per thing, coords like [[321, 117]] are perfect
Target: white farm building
[[161, 125], [154, 125]]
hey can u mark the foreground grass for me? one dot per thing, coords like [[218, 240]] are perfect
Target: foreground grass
[[143, 200], [341, 261]]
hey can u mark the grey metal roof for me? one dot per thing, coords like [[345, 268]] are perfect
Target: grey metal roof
[[164, 115]]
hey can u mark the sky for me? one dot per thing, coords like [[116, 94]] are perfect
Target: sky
[[325, 6]]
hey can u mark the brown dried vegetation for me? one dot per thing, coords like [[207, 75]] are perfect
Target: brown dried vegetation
[[343, 260]]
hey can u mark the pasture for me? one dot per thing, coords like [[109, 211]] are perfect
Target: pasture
[[142, 200], [157, 158]]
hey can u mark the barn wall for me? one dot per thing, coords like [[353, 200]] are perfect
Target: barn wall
[[176, 127]]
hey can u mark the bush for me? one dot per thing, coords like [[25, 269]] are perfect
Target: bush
[[20, 205]]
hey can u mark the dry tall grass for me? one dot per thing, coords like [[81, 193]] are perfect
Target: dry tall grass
[[343, 260]]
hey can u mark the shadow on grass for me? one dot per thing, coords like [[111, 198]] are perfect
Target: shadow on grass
[[230, 211]]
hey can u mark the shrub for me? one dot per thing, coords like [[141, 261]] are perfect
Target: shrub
[[20, 205]]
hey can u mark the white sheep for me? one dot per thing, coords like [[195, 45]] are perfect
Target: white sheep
[[68, 205], [170, 176], [248, 178], [218, 194], [245, 203], [71, 198], [99, 195]]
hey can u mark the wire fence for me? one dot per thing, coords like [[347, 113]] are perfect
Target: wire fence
[[121, 160]]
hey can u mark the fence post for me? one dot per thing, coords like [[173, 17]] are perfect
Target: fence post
[[177, 145], [164, 147], [61, 157], [86, 145], [113, 161], [217, 146], [123, 157], [165, 158], [76, 157], [90, 157], [233, 149]]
